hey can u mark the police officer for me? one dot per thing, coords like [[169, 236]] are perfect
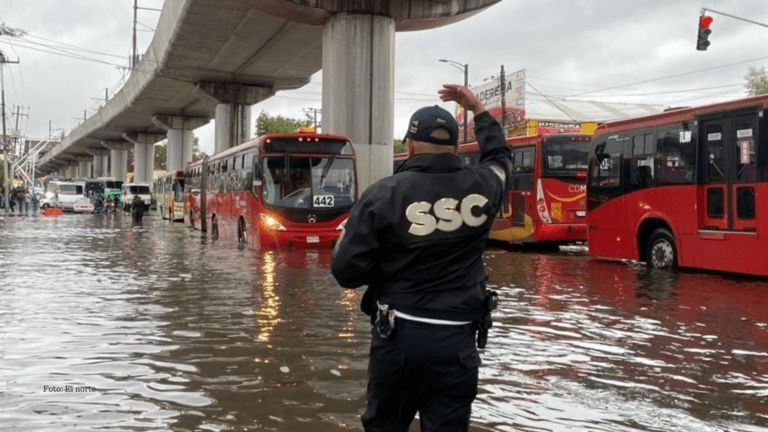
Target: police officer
[[416, 239]]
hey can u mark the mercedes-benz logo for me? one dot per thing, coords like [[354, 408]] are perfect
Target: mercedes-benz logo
[[311, 218]]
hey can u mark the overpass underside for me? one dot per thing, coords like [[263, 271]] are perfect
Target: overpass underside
[[214, 59]]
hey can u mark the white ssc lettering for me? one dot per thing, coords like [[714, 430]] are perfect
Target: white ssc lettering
[[450, 218]]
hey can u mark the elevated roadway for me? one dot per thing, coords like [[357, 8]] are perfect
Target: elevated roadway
[[213, 59]]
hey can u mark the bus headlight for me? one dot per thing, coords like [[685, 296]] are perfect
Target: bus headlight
[[342, 225], [271, 223]]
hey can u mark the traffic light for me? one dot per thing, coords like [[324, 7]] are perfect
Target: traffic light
[[704, 31]]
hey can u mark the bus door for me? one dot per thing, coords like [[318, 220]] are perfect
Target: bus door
[[520, 202], [731, 173]]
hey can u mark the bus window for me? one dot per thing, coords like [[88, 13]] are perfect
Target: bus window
[[522, 163], [301, 182], [642, 172], [562, 155], [333, 182], [745, 146], [677, 156], [608, 155]]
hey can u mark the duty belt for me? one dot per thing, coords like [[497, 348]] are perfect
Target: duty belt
[[410, 317]]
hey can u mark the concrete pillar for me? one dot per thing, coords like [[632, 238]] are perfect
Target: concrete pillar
[[100, 162], [118, 158], [358, 89], [143, 155], [71, 170], [179, 150], [84, 166], [233, 110]]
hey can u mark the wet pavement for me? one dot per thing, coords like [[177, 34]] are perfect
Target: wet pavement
[[109, 325]]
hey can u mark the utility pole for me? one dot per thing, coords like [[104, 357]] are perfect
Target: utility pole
[[135, 20], [106, 98], [503, 83], [17, 131], [314, 111], [3, 61], [464, 68]]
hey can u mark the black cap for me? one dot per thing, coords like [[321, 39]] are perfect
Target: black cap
[[426, 120]]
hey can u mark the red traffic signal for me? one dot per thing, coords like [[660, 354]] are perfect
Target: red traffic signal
[[702, 41]]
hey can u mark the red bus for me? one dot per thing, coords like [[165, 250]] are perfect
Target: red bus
[[547, 202], [292, 189], [687, 187]]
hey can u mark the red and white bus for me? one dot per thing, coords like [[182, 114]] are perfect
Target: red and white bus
[[292, 189], [687, 187], [547, 202]]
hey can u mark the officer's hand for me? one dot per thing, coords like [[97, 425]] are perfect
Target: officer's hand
[[461, 95]]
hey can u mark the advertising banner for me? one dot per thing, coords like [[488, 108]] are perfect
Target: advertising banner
[[490, 94]]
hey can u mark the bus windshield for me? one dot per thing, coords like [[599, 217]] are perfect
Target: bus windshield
[[309, 182], [178, 190], [113, 184], [139, 189], [564, 156], [67, 189]]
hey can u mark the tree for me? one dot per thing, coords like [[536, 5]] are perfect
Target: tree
[[400, 146], [160, 152], [266, 123], [196, 153], [757, 81]]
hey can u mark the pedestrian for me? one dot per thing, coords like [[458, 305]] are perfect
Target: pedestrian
[[12, 199], [35, 202], [27, 200], [20, 199], [137, 208], [416, 239]]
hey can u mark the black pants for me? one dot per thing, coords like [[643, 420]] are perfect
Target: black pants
[[425, 368]]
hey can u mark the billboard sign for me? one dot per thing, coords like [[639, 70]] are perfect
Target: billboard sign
[[490, 94]]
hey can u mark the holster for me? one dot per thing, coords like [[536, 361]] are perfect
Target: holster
[[385, 321], [486, 322]]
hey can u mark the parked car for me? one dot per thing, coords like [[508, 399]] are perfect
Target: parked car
[[143, 190]]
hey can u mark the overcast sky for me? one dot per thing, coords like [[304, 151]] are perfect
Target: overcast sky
[[626, 51]]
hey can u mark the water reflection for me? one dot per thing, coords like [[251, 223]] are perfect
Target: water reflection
[[178, 332], [608, 336]]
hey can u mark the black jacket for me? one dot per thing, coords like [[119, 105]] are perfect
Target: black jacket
[[416, 238]]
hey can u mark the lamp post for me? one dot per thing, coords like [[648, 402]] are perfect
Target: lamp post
[[6, 196], [465, 69]]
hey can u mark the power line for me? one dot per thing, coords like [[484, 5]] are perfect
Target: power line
[[668, 77], [64, 45], [660, 92]]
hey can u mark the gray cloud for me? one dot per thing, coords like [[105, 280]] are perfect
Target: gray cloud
[[568, 48]]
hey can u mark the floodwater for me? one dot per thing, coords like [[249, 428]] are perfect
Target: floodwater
[[107, 325]]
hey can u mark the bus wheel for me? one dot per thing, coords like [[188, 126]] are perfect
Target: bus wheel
[[242, 234], [214, 228], [661, 253]]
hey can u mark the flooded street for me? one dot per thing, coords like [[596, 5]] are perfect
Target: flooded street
[[105, 325]]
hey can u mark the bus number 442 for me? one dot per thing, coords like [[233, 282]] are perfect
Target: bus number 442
[[323, 201]]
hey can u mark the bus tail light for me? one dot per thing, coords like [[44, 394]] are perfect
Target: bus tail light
[[541, 204], [271, 223]]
